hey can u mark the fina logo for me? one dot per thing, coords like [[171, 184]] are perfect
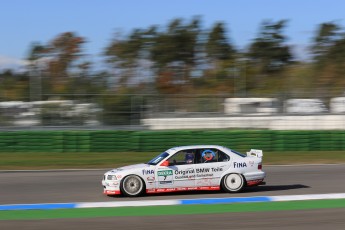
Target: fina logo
[[148, 171], [240, 164]]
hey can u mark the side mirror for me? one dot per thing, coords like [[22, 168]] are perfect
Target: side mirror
[[165, 163]]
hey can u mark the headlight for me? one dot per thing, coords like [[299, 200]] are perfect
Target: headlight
[[111, 177]]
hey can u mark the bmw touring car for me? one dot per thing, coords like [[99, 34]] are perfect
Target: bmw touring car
[[188, 168]]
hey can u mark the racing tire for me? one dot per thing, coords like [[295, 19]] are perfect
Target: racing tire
[[233, 182], [132, 185]]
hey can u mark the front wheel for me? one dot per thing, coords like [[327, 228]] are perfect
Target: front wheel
[[233, 182], [132, 185]]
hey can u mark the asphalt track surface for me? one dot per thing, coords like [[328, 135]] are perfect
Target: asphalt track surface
[[85, 186]]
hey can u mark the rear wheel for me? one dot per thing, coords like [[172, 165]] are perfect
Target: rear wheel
[[132, 185], [233, 182]]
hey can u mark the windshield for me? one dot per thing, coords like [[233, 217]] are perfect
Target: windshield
[[158, 158]]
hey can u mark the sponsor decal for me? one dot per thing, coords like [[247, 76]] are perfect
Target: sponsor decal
[[218, 169], [208, 170], [166, 182], [240, 164], [205, 175], [158, 160], [183, 189], [165, 175], [184, 172], [203, 188], [202, 170], [191, 174], [251, 163], [189, 177], [119, 176], [198, 170], [148, 171], [150, 179]]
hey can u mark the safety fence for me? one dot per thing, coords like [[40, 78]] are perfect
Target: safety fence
[[140, 141]]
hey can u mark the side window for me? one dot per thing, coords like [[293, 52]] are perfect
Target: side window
[[211, 156], [182, 158], [222, 156]]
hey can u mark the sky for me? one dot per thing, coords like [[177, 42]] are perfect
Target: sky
[[23, 22]]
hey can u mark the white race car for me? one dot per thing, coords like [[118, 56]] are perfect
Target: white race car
[[188, 168]]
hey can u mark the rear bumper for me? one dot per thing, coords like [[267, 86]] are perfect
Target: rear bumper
[[255, 178], [256, 182]]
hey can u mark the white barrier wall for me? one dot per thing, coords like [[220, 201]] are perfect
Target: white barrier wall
[[315, 122]]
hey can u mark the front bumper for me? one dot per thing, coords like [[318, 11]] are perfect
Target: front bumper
[[111, 187], [111, 192]]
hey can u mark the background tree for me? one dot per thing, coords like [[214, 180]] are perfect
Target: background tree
[[14, 86], [174, 52], [183, 57], [217, 45], [326, 36], [328, 50], [268, 55], [220, 58], [124, 55], [269, 51], [60, 54]]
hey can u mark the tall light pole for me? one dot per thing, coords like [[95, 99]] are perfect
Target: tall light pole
[[35, 78], [243, 74]]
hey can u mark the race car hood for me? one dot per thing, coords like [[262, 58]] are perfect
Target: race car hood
[[129, 167]]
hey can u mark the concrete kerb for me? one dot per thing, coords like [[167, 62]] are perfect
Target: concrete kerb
[[227, 200]]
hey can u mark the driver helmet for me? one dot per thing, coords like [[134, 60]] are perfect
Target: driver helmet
[[189, 158]]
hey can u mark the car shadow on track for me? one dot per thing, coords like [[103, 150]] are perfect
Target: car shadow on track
[[246, 191], [264, 188], [168, 194], [270, 188]]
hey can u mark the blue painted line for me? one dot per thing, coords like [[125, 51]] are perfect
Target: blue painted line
[[36, 206], [227, 200]]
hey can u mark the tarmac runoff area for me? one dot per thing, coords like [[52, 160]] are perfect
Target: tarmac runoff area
[[317, 203], [48, 195]]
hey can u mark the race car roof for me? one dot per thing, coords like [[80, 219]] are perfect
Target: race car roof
[[179, 148]]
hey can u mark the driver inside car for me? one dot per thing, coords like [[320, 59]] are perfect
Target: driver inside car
[[189, 158]]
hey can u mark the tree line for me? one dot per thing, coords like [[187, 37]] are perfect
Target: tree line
[[182, 57]]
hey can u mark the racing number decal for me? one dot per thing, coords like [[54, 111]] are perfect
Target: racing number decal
[[165, 176]]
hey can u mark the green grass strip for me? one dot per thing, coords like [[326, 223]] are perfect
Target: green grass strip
[[171, 210]]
